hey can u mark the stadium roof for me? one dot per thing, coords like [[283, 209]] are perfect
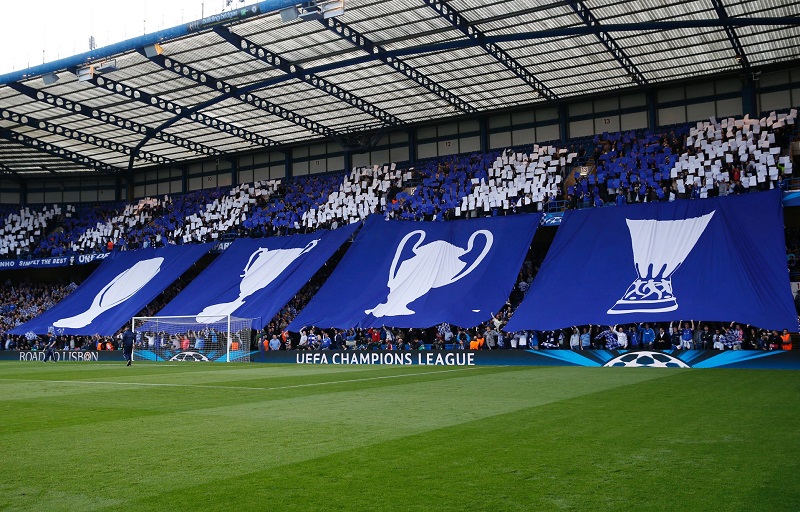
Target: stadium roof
[[245, 79]]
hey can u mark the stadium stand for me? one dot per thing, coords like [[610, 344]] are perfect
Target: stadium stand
[[21, 229], [371, 188], [704, 159], [285, 214], [516, 150], [21, 301]]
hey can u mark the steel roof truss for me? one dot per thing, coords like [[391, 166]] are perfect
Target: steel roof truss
[[359, 40], [588, 17], [58, 151], [178, 110], [79, 136], [741, 56], [99, 115], [231, 91], [289, 67], [4, 169], [468, 29]]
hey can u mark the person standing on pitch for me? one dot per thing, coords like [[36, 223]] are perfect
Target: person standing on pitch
[[49, 348], [127, 345]]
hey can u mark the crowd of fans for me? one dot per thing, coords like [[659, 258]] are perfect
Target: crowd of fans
[[21, 228], [714, 158], [22, 301], [492, 335], [711, 158], [293, 201]]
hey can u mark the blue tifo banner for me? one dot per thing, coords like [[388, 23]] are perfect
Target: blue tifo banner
[[720, 259], [744, 359], [54, 261], [254, 278], [120, 287], [417, 274]]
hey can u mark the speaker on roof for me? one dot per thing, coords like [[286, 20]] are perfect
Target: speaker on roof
[[152, 50], [289, 14], [49, 78]]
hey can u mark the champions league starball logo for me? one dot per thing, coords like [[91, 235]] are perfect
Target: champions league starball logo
[[646, 359], [659, 249], [189, 356]]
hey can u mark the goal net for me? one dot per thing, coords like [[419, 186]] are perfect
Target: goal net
[[192, 338]]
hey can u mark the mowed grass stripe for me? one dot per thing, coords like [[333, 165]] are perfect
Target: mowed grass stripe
[[236, 385], [207, 439], [697, 440], [81, 402], [208, 373]]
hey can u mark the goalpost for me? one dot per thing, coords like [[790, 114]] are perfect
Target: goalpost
[[192, 338]]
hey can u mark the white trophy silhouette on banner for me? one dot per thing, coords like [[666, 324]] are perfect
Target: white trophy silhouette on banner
[[659, 248], [434, 265], [117, 291], [262, 268]]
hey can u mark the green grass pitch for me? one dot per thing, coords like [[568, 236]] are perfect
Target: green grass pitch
[[195, 436]]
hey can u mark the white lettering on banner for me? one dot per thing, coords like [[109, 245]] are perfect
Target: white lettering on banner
[[390, 358], [448, 359], [412, 278], [311, 358], [88, 258], [60, 356], [263, 267], [659, 249], [118, 290], [53, 262]]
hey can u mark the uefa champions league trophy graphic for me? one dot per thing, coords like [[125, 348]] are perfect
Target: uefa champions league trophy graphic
[[659, 249], [117, 291], [433, 265], [262, 268]]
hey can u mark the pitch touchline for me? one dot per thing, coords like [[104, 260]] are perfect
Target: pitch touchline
[[156, 384]]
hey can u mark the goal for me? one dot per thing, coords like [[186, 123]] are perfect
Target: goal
[[192, 338]]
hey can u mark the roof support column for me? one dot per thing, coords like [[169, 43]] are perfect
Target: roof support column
[[23, 192], [234, 171], [749, 96], [563, 122], [483, 124], [652, 111], [288, 165], [129, 185], [412, 146], [348, 160]]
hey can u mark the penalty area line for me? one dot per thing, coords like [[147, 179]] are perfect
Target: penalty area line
[[208, 386]]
